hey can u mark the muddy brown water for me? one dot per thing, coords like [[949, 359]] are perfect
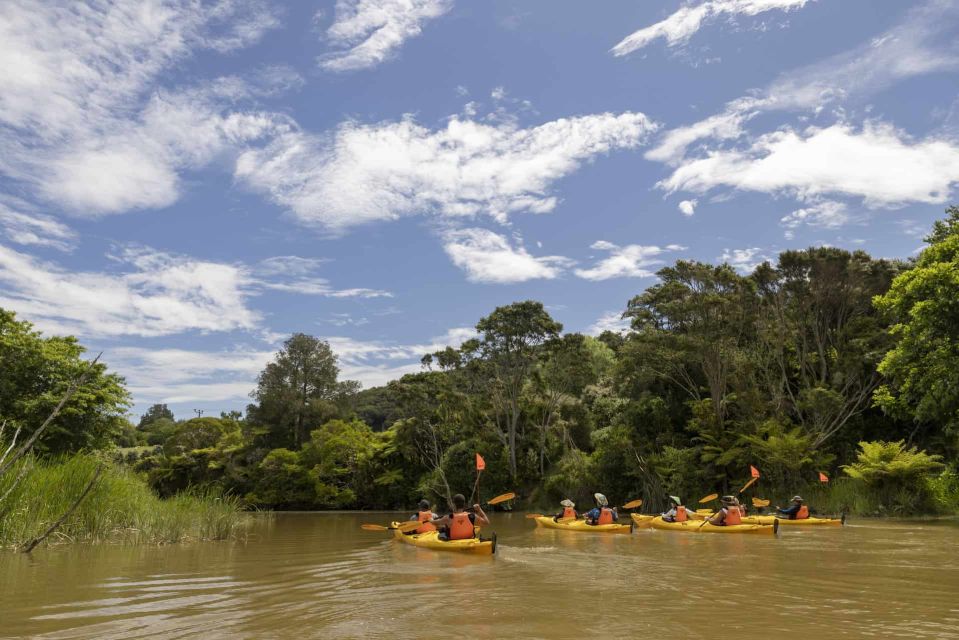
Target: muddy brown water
[[319, 576]]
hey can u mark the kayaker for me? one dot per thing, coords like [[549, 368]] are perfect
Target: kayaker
[[569, 510], [601, 513], [424, 515], [795, 511], [460, 524], [677, 513], [730, 514]]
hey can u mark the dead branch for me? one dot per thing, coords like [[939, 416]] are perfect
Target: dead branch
[[33, 543]]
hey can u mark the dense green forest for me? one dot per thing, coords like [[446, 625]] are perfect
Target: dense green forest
[[827, 361]]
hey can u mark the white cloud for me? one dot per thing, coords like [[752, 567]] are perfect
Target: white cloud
[[35, 229], [609, 321], [81, 122], [365, 173], [156, 294], [688, 207], [153, 293], [370, 32], [877, 163], [680, 26], [631, 261], [489, 257], [827, 214], [744, 260]]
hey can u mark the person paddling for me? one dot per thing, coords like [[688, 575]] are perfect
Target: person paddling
[[731, 513], [569, 510], [601, 513], [677, 512], [797, 510], [424, 515], [460, 524]]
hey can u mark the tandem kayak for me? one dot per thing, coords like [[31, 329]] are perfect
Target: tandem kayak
[[580, 525], [806, 522], [431, 540], [693, 526], [642, 521]]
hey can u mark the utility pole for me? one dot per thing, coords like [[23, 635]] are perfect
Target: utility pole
[[198, 412]]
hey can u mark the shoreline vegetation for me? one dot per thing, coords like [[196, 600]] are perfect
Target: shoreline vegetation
[[834, 373]]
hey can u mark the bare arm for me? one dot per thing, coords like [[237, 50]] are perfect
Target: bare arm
[[480, 515]]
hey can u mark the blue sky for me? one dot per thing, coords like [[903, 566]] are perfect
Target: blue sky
[[184, 184]]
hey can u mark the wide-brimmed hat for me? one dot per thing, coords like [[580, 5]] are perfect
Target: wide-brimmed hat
[[567, 503], [797, 499], [424, 504], [729, 500], [600, 499], [676, 500]]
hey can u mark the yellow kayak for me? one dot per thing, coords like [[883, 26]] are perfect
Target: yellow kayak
[[431, 540], [806, 522], [692, 526], [580, 525], [642, 521]]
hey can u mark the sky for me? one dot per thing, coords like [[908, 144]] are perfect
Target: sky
[[185, 184]]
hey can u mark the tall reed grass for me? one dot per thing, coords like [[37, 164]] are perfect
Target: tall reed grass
[[121, 508]]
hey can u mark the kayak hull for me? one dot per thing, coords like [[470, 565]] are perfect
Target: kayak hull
[[431, 540], [701, 527], [808, 522], [642, 521], [580, 525]]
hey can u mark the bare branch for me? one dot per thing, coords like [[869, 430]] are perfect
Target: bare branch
[[33, 543]]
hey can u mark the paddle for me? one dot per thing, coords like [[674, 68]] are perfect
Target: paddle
[[632, 504], [501, 498], [531, 516], [759, 503], [709, 498], [404, 527]]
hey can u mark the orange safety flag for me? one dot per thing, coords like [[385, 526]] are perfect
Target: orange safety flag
[[823, 477], [753, 471], [480, 463]]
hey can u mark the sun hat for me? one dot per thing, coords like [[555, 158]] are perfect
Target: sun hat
[[676, 500], [600, 499], [567, 503]]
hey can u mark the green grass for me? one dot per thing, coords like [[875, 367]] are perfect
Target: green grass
[[930, 496], [120, 509]]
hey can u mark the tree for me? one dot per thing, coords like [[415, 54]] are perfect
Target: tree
[[922, 369], [154, 413], [512, 337], [297, 392], [35, 371]]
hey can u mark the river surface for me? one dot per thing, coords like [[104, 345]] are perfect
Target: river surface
[[319, 576]]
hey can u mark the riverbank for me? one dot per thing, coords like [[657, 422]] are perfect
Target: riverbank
[[120, 507]]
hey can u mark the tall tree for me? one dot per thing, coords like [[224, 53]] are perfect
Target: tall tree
[[511, 345], [154, 413], [922, 370], [297, 392]]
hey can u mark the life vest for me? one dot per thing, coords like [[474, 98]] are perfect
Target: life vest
[[733, 516], [460, 526], [605, 516], [569, 512], [742, 510], [803, 512], [425, 517], [681, 514]]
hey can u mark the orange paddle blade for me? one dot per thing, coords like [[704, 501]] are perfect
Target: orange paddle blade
[[531, 516], [373, 527], [501, 498], [758, 502], [709, 498], [410, 525], [632, 504]]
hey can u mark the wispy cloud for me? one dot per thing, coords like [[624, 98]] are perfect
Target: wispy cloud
[[680, 26], [35, 229], [827, 214], [630, 261], [609, 321], [369, 32], [365, 173], [744, 260], [488, 257]]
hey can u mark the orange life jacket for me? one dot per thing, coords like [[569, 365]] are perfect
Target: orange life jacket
[[460, 526], [425, 517], [803, 512], [681, 514], [733, 516], [569, 512], [605, 516]]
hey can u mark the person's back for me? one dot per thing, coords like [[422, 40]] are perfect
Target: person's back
[[601, 513], [426, 516], [460, 525], [729, 515], [568, 512], [677, 513]]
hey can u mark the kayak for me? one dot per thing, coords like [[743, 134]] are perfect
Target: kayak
[[701, 527], [642, 521], [807, 522], [580, 525], [431, 540]]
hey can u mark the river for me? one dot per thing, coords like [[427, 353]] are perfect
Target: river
[[319, 576]]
